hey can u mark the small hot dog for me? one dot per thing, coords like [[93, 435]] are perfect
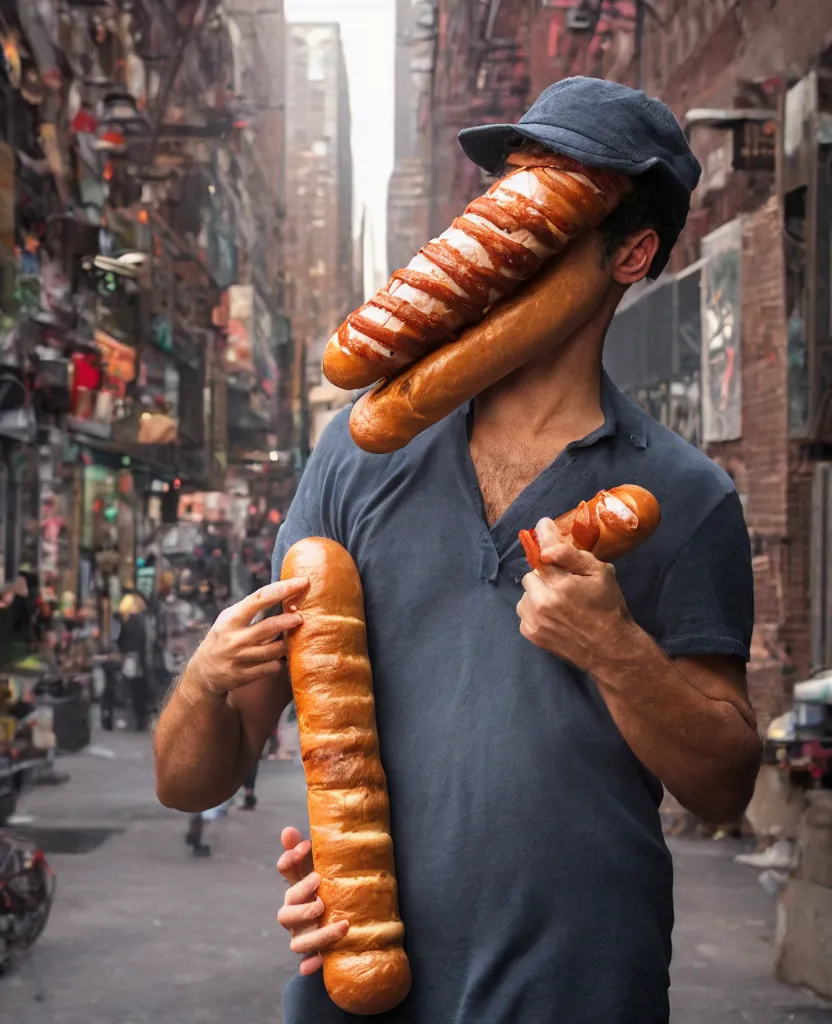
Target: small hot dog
[[611, 524]]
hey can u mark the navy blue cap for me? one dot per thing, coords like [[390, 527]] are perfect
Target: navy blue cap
[[602, 124]]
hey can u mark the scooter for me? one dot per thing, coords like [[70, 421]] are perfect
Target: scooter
[[27, 891]]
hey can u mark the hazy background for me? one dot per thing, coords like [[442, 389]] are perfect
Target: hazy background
[[368, 29]]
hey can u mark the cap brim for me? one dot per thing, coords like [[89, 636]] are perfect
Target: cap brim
[[488, 146]]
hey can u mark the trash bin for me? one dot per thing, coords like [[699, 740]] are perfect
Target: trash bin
[[70, 722]]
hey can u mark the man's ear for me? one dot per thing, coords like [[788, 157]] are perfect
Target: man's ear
[[633, 260]]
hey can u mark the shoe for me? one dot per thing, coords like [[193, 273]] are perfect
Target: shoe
[[201, 850], [250, 802]]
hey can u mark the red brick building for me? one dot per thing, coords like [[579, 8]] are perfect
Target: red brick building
[[751, 277], [765, 173]]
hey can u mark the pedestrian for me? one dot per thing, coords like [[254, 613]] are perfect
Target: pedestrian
[[527, 722], [249, 799], [133, 645]]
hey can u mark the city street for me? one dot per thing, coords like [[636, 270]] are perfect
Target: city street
[[141, 932]]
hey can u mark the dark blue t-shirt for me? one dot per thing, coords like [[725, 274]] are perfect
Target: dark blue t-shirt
[[535, 885]]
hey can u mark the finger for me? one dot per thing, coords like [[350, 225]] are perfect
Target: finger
[[319, 940], [302, 891], [300, 916], [561, 555], [241, 614], [273, 626], [547, 533], [538, 593], [291, 838], [266, 671], [310, 964], [260, 653], [296, 862]]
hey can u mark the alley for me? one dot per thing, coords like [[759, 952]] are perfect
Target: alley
[[141, 932]]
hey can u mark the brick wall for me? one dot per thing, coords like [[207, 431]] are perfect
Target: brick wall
[[705, 48], [763, 467], [718, 53]]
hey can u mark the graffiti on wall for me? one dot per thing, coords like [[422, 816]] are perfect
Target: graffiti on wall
[[721, 330]]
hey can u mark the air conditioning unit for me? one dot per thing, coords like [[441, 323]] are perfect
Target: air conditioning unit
[[579, 19]]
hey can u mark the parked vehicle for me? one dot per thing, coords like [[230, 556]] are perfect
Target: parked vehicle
[[27, 890]]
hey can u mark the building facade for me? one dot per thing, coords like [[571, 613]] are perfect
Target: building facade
[[319, 240], [139, 141]]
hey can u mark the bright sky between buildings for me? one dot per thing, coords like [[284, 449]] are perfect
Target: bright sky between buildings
[[368, 29]]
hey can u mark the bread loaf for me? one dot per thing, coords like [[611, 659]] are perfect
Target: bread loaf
[[550, 309], [502, 239], [367, 972]]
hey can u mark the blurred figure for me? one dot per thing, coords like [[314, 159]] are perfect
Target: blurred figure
[[250, 800], [208, 602], [132, 643]]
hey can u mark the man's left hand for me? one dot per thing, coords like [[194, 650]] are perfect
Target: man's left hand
[[574, 608]]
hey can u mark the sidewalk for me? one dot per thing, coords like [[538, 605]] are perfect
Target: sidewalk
[[723, 944], [143, 933]]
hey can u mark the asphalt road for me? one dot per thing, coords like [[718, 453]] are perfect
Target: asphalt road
[[141, 932]]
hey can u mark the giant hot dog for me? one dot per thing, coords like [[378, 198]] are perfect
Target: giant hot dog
[[367, 972], [608, 526], [502, 240], [551, 308]]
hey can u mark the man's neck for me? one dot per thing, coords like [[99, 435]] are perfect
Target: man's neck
[[553, 400]]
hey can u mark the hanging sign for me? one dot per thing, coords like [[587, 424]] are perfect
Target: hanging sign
[[755, 146], [119, 361]]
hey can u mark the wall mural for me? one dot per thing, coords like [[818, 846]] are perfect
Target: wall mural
[[721, 334]]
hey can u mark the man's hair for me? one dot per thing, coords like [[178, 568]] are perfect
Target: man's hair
[[640, 209]]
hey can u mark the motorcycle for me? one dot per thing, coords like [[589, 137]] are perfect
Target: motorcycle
[[27, 891]]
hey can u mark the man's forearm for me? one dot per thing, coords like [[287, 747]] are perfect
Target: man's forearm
[[704, 750], [200, 754]]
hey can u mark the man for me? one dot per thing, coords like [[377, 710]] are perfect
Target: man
[[526, 723]]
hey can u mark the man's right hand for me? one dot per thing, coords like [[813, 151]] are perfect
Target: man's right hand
[[302, 908], [236, 653]]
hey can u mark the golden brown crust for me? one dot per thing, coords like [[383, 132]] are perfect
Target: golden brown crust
[[551, 308], [608, 526], [367, 972], [347, 370], [616, 534], [522, 221]]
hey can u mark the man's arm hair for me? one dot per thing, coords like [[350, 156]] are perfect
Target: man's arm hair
[[205, 744]]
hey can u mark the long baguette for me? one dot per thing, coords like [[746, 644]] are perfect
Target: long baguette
[[502, 239], [551, 308], [611, 524], [367, 972]]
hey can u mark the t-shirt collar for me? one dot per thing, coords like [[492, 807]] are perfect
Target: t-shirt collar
[[620, 418]]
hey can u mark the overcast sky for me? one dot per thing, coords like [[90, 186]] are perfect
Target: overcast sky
[[368, 30]]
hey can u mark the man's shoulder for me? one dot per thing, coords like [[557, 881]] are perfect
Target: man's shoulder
[[679, 461], [689, 486], [336, 448], [335, 439]]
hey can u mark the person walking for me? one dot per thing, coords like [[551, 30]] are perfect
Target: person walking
[[249, 799], [133, 645], [527, 723]]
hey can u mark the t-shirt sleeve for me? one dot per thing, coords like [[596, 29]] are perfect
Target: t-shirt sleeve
[[706, 603], [305, 517]]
